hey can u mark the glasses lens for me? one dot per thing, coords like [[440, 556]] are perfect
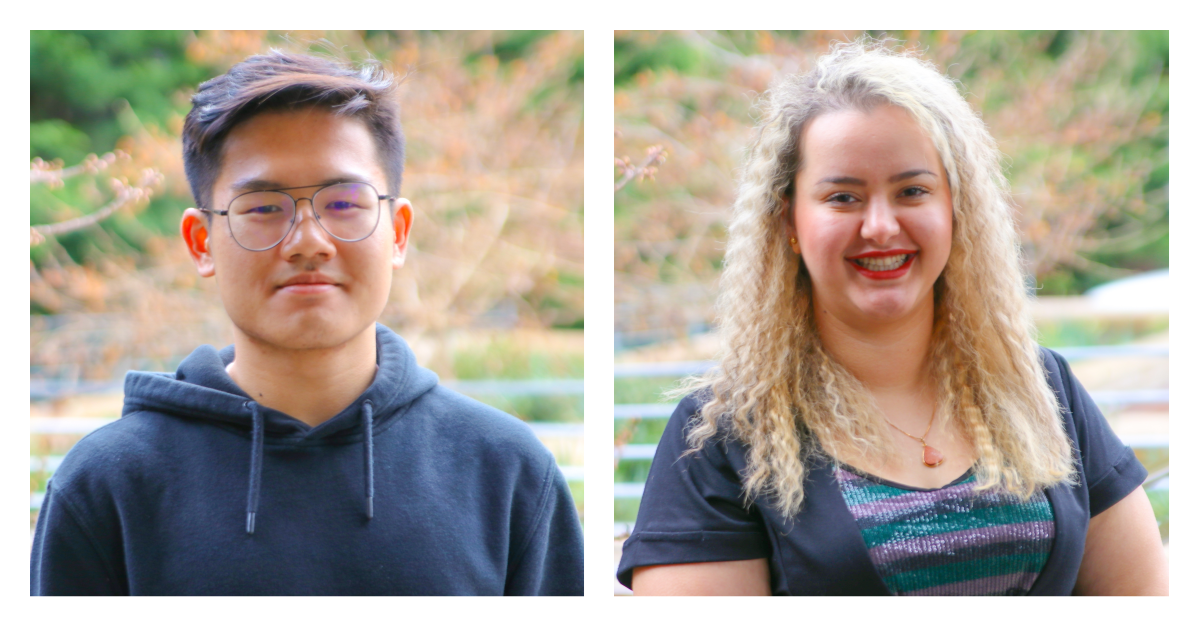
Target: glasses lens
[[348, 211], [261, 220]]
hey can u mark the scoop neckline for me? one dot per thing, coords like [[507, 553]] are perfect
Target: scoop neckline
[[886, 482]]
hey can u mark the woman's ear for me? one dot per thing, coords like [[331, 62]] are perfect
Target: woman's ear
[[789, 224]]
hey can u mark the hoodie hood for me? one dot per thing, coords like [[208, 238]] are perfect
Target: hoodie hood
[[201, 390]]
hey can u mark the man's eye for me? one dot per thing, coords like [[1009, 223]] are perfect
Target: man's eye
[[340, 205], [263, 209]]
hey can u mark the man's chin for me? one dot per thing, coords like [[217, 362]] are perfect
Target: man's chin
[[297, 333]]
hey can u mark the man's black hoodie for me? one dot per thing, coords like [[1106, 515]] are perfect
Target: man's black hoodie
[[412, 489]]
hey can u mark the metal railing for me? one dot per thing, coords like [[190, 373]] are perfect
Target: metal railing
[[696, 367]]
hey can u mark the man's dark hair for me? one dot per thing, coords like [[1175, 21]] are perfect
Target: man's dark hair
[[281, 81]]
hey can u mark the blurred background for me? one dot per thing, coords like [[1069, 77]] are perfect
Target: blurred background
[[1082, 119], [491, 295]]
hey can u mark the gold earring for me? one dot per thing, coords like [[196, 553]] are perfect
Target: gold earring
[[792, 240]]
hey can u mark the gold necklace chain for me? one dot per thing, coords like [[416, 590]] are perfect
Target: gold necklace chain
[[930, 457]]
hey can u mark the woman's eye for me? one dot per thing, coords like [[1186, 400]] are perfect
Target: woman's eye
[[846, 198]]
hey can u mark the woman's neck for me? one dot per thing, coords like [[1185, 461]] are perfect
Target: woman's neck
[[888, 357]]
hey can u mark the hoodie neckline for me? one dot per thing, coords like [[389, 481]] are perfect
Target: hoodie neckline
[[254, 489], [201, 389], [347, 420], [361, 407]]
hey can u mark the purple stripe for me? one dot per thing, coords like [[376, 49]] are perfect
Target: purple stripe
[[916, 499], [949, 541], [845, 476], [981, 586]]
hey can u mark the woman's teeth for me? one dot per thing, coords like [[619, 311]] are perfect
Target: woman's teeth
[[891, 262]]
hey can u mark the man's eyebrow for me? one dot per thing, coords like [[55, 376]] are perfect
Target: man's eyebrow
[[844, 180], [254, 184]]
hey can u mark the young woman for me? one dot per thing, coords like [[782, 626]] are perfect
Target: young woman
[[882, 420]]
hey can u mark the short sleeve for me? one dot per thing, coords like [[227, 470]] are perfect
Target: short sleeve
[[692, 509], [1110, 469]]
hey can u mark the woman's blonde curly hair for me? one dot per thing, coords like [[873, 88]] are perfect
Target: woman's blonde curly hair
[[778, 391]]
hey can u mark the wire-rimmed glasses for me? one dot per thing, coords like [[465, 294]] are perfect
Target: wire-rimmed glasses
[[261, 219]]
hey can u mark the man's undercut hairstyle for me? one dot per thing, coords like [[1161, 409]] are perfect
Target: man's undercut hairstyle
[[286, 81]]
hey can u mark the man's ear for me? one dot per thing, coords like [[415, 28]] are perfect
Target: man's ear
[[401, 223], [194, 228]]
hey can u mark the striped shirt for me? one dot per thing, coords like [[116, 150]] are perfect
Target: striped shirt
[[951, 540]]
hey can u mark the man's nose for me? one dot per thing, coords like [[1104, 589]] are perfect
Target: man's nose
[[307, 218]]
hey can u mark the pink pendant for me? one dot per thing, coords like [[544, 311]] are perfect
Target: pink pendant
[[932, 457]]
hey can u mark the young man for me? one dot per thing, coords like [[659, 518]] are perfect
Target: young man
[[313, 456]]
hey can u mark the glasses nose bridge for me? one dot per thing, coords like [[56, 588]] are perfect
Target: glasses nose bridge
[[299, 215]]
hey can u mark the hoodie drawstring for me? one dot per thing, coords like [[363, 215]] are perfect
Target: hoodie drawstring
[[256, 460], [256, 464], [369, 445]]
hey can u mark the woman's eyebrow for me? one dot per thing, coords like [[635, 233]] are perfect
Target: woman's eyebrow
[[894, 178]]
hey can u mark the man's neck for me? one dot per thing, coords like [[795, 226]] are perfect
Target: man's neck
[[312, 385]]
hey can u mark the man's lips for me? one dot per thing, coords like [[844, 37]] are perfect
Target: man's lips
[[307, 288], [309, 277]]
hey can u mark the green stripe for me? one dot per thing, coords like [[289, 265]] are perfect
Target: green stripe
[[975, 519], [870, 493], [961, 572]]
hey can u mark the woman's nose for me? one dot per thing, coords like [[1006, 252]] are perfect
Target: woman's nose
[[881, 217]]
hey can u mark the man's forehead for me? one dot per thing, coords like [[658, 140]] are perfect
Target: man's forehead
[[252, 182], [297, 148], [297, 132]]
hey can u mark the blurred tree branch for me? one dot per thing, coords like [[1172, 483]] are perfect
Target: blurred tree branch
[[623, 438], [52, 174], [655, 155]]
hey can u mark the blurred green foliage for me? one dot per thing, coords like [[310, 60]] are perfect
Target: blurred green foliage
[[508, 357], [90, 88]]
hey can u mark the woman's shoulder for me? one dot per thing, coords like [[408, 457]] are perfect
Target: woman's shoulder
[[689, 415], [692, 404]]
